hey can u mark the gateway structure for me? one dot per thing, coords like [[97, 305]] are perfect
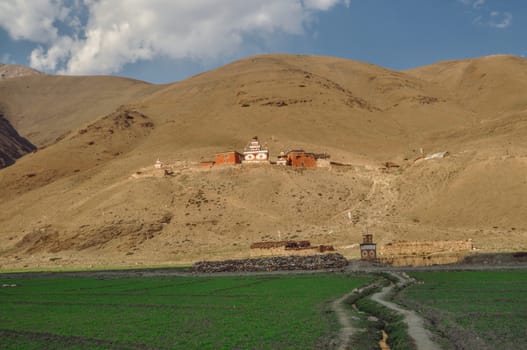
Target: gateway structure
[[368, 249]]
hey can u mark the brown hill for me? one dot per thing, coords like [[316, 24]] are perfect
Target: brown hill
[[93, 197], [45, 108], [8, 71]]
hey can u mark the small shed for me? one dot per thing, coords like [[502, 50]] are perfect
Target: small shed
[[228, 158], [282, 159], [158, 164], [368, 249], [323, 163]]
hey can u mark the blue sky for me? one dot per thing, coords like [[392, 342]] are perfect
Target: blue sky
[[168, 40]]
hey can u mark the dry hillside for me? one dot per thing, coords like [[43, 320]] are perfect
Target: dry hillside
[[12, 145], [8, 71], [46, 108], [88, 197]]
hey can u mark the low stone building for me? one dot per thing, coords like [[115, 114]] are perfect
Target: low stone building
[[301, 159], [158, 164], [282, 159], [228, 158]]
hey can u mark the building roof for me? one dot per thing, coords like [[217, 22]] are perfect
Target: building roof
[[296, 151], [305, 154], [228, 152]]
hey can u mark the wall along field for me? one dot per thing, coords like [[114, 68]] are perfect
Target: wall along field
[[487, 308], [263, 312]]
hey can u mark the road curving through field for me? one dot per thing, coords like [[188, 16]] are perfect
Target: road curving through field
[[416, 329]]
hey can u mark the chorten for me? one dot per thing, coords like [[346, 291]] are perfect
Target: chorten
[[255, 153]]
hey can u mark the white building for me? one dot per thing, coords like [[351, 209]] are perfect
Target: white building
[[255, 153], [159, 164]]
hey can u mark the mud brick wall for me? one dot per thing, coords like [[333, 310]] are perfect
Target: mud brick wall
[[423, 253]]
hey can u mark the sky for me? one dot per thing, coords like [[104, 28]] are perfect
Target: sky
[[163, 41]]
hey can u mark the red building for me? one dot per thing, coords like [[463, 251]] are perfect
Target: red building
[[301, 159], [228, 158]]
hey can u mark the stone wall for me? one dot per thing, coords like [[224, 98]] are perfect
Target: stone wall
[[277, 263]]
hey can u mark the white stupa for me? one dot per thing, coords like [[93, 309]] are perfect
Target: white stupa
[[255, 153]]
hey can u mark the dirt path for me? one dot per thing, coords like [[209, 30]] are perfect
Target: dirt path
[[346, 329], [416, 330], [344, 316]]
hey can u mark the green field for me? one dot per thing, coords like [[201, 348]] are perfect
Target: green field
[[221, 312], [482, 308]]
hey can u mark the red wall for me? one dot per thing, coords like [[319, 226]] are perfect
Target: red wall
[[228, 158], [302, 160]]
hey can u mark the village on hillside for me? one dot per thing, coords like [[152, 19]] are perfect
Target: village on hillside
[[255, 153], [258, 154], [397, 253]]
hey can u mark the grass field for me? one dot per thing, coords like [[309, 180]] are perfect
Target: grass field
[[485, 308], [221, 312]]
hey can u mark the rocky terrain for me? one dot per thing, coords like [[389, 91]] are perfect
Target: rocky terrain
[[12, 145], [90, 195], [279, 263]]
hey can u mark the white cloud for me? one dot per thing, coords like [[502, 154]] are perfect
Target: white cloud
[[474, 3], [478, 3], [117, 32], [323, 5], [500, 20], [55, 56], [495, 19], [31, 19], [487, 17]]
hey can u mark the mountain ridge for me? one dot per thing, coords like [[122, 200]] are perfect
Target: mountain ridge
[[110, 208]]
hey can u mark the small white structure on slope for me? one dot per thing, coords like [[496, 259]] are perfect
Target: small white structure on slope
[[255, 153], [158, 164], [437, 155]]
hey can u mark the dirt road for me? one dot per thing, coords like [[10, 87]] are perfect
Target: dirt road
[[416, 329], [346, 329]]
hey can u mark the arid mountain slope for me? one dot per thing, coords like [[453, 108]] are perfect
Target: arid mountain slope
[[488, 86], [94, 198], [319, 101], [12, 145], [45, 108]]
